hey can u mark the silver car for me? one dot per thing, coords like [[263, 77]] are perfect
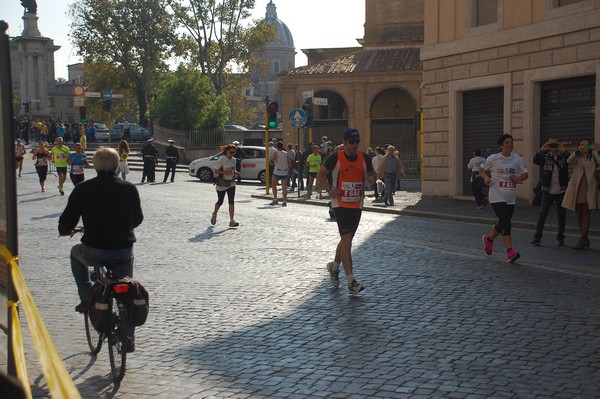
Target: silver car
[[253, 165], [102, 132]]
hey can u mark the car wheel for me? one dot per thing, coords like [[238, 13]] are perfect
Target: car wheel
[[262, 176], [205, 174]]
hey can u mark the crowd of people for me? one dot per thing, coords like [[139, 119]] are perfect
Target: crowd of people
[[50, 129]]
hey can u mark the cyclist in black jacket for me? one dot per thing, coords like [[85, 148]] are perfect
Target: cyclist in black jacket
[[110, 209]]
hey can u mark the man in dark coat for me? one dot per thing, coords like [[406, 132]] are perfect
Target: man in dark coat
[[149, 152], [172, 160]]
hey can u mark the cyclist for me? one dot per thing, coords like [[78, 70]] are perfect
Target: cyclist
[[110, 209]]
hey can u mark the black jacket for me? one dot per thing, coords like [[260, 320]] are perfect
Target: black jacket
[[171, 152], [548, 163], [110, 209]]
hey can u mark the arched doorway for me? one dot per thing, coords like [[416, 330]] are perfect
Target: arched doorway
[[392, 122], [330, 120]]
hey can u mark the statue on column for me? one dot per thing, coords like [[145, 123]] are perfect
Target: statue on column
[[30, 6]]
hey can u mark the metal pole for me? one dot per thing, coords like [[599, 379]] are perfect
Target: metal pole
[[267, 160]]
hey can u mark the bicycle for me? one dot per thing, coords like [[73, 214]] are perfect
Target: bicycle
[[116, 332]]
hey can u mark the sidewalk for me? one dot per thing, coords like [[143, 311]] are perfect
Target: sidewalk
[[411, 202]]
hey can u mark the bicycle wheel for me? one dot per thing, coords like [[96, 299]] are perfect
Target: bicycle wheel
[[94, 338], [116, 351]]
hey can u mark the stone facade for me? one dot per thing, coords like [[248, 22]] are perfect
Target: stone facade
[[532, 42]]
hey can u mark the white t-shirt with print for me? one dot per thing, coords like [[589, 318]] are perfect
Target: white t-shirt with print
[[225, 163], [502, 189]]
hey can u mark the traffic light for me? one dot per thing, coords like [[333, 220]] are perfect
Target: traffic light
[[26, 107], [417, 120], [106, 105], [308, 108], [272, 109], [82, 111]]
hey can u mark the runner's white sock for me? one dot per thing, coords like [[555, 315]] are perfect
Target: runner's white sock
[[350, 278], [336, 266]]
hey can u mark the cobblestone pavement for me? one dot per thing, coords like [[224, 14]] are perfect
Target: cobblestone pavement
[[249, 312]]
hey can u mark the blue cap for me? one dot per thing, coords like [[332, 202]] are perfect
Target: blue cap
[[351, 134]]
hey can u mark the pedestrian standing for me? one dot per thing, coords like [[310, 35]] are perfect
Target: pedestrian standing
[[508, 169], [379, 184], [305, 154], [226, 173], [477, 183], [281, 170], [352, 169], [552, 157], [172, 160], [582, 191], [390, 169], [149, 152], [60, 155], [78, 161], [41, 156], [20, 152], [123, 157], [126, 132]]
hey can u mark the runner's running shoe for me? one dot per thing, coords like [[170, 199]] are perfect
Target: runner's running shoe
[[355, 287], [487, 244], [334, 275], [512, 255]]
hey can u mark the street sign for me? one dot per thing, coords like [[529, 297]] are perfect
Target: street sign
[[78, 90], [92, 94], [117, 96], [319, 101], [107, 96], [78, 101], [297, 118], [307, 94]]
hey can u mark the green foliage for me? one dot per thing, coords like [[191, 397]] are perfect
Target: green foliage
[[136, 36], [187, 101]]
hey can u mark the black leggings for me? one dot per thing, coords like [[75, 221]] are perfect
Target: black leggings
[[42, 172], [230, 196], [504, 212]]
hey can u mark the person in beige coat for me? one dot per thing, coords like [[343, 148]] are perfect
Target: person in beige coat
[[390, 169], [583, 188]]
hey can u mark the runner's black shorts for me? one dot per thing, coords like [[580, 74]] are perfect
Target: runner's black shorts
[[347, 219]]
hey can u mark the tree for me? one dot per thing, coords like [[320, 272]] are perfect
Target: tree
[[186, 100], [218, 40], [136, 36]]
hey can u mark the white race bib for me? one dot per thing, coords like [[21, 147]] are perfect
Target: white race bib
[[352, 191]]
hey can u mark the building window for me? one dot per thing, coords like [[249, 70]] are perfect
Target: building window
[[486, 12], [69, 102], [561, 3], [276, 67]]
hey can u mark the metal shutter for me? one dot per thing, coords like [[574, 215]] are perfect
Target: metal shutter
[[483, 112]]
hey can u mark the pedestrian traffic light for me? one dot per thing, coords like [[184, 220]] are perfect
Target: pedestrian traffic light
[[308, 108], [106, 105], [26, 107], [272, 109], [82, 111]]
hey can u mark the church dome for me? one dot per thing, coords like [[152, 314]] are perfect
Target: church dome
[[284, 34]]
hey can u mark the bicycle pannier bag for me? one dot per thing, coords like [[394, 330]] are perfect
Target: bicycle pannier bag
[[98, 306], [136, 302]]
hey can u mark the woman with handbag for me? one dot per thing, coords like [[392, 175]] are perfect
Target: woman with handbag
[[583, 188], [226, 174]]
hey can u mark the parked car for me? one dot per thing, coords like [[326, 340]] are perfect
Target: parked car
[[137, 133], [234, 127], [253, 165], [102, 132]]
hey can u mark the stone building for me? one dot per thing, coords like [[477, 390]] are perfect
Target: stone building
[[525, 67], [374, 88]]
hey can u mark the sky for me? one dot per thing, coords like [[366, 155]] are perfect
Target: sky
[[313, 24]]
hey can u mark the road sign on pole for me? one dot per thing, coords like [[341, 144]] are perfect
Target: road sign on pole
[[307, 94], [78, 101], [92, 94], [78, 90], [297, 118]]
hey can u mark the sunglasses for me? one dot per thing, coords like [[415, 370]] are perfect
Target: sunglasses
[[353, 141]]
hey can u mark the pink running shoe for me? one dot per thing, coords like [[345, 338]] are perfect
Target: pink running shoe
[[512, 255], [487, 244]]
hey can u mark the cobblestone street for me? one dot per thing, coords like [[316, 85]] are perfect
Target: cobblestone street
[[249, 312]]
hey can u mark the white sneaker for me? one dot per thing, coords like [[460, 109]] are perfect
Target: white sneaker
[[355, 287], [334, 275]]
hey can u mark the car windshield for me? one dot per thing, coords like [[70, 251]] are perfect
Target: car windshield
[[100, 126]]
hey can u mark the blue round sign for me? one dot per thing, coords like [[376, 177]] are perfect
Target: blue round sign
[[297, 118], [107, 96]]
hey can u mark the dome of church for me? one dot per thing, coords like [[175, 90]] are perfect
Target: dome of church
[[284, 34]]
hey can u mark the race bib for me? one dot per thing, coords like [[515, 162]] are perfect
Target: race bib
[[42, 162], [351, 191], [77, 170], [506, 184]]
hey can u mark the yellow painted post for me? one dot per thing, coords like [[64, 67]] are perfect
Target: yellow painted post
[[267, 160]]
